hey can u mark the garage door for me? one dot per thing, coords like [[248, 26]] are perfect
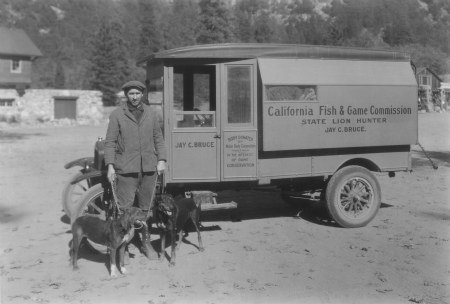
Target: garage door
[[65, 107]]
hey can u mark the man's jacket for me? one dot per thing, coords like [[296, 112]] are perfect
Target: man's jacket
[[130, 144]]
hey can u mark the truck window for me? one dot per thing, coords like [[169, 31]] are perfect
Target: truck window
[[239, 94], [194, 97], [290, 93]]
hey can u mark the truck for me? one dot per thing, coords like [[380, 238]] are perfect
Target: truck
[[300, 118]]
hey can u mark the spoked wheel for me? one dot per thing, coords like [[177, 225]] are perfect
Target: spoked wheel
[[72, 193], [353, 196], [92, 203]]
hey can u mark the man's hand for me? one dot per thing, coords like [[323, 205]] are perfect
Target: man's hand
[[111, 175], [161, 167]]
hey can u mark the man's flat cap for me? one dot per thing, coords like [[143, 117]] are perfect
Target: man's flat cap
[[133, 84]]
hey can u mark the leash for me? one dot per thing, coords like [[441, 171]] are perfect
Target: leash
[[435, 167], [116, 209], [159, 179]]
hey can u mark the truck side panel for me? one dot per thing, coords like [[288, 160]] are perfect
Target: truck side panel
[[355, 104], [326, 165], [344, 116], [284, 167], [395, 161]]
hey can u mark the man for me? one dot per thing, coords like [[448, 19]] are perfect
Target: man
[[135, 153]]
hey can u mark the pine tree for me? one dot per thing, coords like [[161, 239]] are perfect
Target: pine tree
[[253, 21], [215, 22], [264, 28], [345, 22], [60, 78], [244, 30], [181, 24], [149, 37], [109, 63], [303, 24]]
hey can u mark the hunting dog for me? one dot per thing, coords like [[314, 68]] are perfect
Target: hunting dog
[[113, 233], [172, 216]]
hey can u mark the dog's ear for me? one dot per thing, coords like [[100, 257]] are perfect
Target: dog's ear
[[170, 200], [159, 198], [170, 203], [162, 197]]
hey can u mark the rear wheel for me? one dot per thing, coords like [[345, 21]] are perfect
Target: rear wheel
[[353, 196]]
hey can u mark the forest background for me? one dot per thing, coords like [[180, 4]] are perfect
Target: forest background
[[95, 44]]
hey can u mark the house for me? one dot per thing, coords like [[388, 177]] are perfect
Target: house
[[17, 53], [426, 78], [20, 103], [429, 84]]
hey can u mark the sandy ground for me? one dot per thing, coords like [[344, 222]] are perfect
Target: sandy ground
[[270, 256]]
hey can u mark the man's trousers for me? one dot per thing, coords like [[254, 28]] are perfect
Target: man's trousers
[[136, 185]]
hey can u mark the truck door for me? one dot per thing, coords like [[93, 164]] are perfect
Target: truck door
[[238, 121], [212, 122], [194, 139]]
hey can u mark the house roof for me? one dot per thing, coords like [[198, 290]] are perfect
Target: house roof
[[267, 50], [424, 69], [16, 42]]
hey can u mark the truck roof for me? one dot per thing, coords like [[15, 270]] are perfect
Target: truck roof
[[267, 50]]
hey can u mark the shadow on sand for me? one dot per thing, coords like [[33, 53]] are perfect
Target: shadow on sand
[[8, 215], [15, 136], [257, 204], [252, 204], [441, 158]]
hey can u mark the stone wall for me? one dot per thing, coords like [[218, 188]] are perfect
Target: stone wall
[[37, 105]]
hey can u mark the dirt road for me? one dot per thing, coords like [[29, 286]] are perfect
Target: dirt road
[[270, 256]]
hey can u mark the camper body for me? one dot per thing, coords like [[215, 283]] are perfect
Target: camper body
[[302, 118]]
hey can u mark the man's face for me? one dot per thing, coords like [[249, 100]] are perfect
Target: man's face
[[134, 96]]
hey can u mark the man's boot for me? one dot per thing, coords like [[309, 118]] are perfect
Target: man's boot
[[147, 247]]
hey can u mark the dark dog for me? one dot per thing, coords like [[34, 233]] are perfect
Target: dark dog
[[114, 233], [172, 216]]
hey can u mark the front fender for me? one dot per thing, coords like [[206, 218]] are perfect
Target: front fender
[[84, 162], [87, 175]]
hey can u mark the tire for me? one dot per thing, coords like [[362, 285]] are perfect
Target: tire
[[72, 193], [353, 197], [92, 203]]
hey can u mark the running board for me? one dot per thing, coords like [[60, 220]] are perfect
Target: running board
[[207, 200], [221, 206]]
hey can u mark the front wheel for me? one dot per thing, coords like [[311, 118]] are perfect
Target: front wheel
[[92, 202], [72, 193], [353, 196]]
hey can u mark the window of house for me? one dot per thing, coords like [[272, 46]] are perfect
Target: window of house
[[426, 80], [16, 66], [290, 93], [6, 102]]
